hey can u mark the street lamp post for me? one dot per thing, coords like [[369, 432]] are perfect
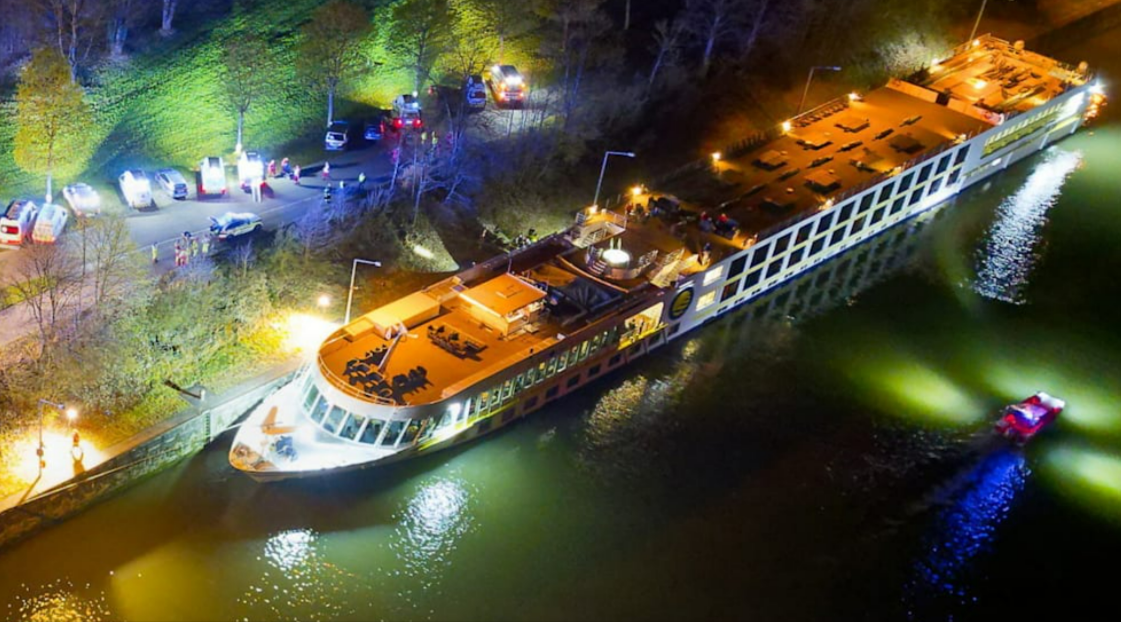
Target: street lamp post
[[350, 292], [809, 78], [978, 22], [606, 154], [70, 414]]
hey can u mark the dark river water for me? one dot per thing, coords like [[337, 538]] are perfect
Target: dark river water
[[824, 454]]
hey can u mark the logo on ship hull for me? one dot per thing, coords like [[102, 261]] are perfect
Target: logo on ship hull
[[680, 303]]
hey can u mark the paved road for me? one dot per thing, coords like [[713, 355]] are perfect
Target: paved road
[[283, 203]]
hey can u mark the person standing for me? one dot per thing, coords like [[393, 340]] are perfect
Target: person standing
[[296, 174], [326, 171], [178, 253], [361, 180], [194, 247], [285, 168], [155, 254], [272, 168], [205, 244]]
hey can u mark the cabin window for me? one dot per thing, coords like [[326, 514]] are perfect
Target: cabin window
[[825, 223], [530, 403], [897, 205], [943, 164], [391, 434], [737, 266], [804, 233], [729, 290], [371, 431], [865, 203], [714, 275], [411, 431], [481, 404], [846, 212], [954, 176], [759, 256], [915, 196], [780, 245], [613, 361], [795, 256], [961, 155], [878, 215], [332, 422], [573, 355], [552, 367], [837, 236], [857, 225], [751, 279], [584, 350], [573, 381], [351, 427], [552, 392], [594, 369], [507, 390], [319, 411], [906, 183], [519, 382], [706, 300], [924, 173], [540, 374], [885, 192], [773, 268], [818, 244], [310, 398]]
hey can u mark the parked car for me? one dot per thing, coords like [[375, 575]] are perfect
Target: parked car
[[16, 223], [374, 128], [231, 224], [338, 136], [83, 200], [250, 167], [406, 113], [212, 176], [475, 92], [49, 223], [136, 188], [508, 85], [172, 182]]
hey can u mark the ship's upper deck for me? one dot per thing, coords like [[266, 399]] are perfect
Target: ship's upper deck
[[434, 343]]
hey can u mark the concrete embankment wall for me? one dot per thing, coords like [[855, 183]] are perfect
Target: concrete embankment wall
[[146, 453]]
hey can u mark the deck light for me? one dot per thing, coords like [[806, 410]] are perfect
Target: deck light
[[423, 252], [323, 301], [636, 191], [786, 125], [715, 156], [976, 42], [1097, 88], [854, 96]]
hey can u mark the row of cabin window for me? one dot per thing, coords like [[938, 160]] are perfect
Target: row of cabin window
[[353, 427], [495, 397], [834, 236], [825, 224], [1015, 132]]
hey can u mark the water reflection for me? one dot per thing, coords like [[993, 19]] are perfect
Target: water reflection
[[1011, 246], [1091, 477], [300, 582], [973, 507], [59, 601]]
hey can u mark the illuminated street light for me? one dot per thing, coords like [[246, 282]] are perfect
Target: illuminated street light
[[323, 301], [350, 292], [606, 154], [71, 414]]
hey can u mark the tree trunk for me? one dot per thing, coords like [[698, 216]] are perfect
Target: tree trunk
[[709, 44], [627, 16], [655, 68], [50, 189], [118, 32], [167, 16], [240, 125], [330, 104]]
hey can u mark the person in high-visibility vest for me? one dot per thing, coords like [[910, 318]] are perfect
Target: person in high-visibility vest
[[206, 244], [194, 247], [155, 254]]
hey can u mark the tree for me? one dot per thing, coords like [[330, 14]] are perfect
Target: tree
[[51, 117], [122, 15], [667, 42], [419, 32], [74, 23], [509, 20], [167, 15], [331, 46], [710, 22], [49, 281], [247, 69]]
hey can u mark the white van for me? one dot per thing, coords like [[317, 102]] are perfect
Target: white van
[[250, 169], [49, 224], [16, 222], [136, 188], [212, 176]]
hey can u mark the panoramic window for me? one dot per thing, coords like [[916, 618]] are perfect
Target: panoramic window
[[885, 192], [759, 256], [371, 431], [737, 266], [706, 300]]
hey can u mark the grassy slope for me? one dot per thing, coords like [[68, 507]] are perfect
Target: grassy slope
[[167, 107]]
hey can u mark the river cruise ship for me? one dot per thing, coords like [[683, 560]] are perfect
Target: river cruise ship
[[481, 349]]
